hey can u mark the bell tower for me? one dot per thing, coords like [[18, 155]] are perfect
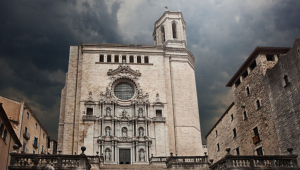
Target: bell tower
[[169, 30]]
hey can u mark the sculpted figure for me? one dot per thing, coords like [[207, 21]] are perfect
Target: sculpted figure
[[141, 132], [140, 112], [108, 111], [142, 156], [107, 131], [107, 155], [124, 132]]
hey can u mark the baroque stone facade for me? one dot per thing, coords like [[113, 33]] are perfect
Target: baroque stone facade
[[264, 118], [130, 101]]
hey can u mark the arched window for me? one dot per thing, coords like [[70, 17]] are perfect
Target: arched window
[[101, 58], [124, 59], [174, 30], [131, 60], [163, 34], [146, 59], [1, 129], [139, 59], [116, 58], [108, 58]]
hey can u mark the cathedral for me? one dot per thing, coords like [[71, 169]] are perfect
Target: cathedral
[[128, 102]]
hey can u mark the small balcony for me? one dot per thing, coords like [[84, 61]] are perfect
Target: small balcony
[[256, 139], [26, 135], [35, 145], [88, 118], [159, 119]]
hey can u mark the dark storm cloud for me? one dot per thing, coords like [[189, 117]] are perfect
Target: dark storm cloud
[[36, 35], [34, 48]]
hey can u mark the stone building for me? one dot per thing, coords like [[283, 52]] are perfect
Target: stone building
[[30, 131], [129, 101], [8, 138], [265, 116]]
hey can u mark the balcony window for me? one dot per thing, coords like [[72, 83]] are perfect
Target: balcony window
[[158, 113], [89, 111], [146, 59], [116, 58], [108, 58], [101, 58], [35, 142], [256, 138]]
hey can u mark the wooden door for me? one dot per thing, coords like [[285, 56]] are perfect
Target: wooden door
[[124, 156]]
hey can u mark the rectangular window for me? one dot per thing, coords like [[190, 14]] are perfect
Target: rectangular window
[[218, 147], [231, 117], [245, 115], [270, 58], [234, 133], [33, 151], [109, 58], [43, 135], [253, 65], [35, 141], [256, 138], [158, 113], [216, 133], [27, 115], [139, 59], [25, 130], [116, 58], [237, 151], [259, 151], [89, 111], [23, 147], [36, 125]]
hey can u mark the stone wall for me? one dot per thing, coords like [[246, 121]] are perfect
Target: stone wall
[[285, 99]]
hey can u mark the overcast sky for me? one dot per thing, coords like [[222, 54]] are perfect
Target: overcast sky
[[35, 37]]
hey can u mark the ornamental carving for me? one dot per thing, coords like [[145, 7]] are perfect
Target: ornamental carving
[[123, 69]]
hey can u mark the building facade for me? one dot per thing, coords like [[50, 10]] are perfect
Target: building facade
[[8, 138], [31, 133], [130, 101], [265, 115]]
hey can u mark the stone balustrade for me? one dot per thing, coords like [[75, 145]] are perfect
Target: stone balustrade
[[187, 162], [255, 162], [157, 160], [88, 118]]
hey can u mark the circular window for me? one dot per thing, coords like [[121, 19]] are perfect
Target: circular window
[[124, 91]]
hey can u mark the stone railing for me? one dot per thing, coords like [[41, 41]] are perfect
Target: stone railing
[[26, 135], [88, 118], [40, 161], [187, 162], [95, 161], [255, 162], [157, 160]]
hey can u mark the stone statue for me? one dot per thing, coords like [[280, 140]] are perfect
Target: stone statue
[[107, 155], [141, 132], [108, 111], [142, 156], [124, 113], [140, 112], [107, 131], [124, 132]]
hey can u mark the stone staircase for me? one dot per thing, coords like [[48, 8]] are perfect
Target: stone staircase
[[142, 167]]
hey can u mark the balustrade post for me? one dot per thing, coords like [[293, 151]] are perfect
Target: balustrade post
[[59, 163], [252, 163]]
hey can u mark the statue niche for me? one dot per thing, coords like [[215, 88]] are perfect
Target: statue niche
[[142, 155], [107, 131], [107, 154], [140, 112], [141, 132], [124, 132], [108, 111]]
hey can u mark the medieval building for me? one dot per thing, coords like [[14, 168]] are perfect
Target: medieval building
[[128, 101], [264, 117]]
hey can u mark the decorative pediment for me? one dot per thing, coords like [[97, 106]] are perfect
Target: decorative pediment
[[123, 69]]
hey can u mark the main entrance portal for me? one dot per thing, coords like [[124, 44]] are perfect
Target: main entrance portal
[[124, 156]]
